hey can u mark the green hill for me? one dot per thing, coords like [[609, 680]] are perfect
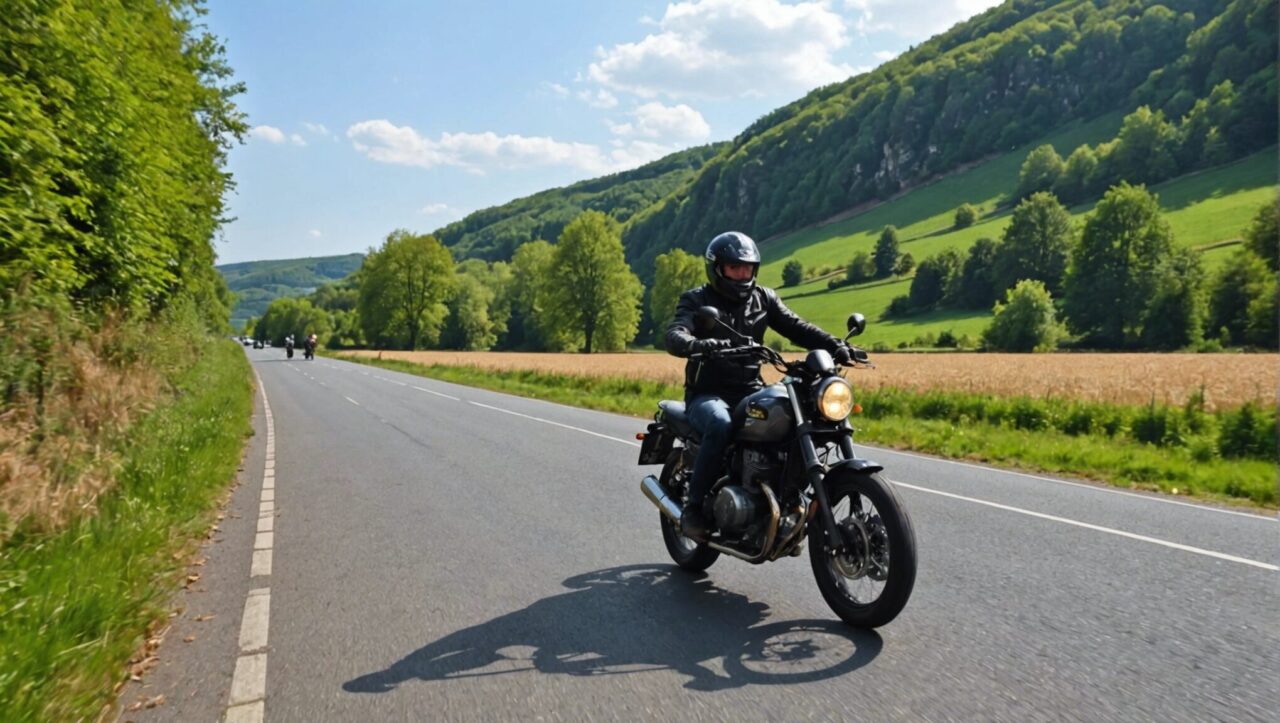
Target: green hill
[[1206, 209], [1006, 78], [257, 283], [494, 233]]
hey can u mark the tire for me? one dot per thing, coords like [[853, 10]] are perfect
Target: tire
[[860, 609], [689, 555]]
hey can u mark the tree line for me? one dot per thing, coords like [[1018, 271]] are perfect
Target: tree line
[[1116, 282]]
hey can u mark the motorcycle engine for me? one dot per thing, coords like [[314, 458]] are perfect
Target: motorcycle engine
[[738, 508]]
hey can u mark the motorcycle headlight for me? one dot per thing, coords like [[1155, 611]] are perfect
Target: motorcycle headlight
[[835, 399]]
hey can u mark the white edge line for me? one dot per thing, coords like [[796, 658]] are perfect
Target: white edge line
[[557, 424], [1096, 488], [438, 394], [349, 399], [1097, 528]]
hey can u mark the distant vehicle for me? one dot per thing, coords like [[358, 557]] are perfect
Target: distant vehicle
[[257, 344], [244, 340]]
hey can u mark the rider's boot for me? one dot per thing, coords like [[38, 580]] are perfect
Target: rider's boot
[[694, 522]]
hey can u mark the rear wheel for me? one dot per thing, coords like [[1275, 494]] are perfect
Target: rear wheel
[[869, 583], [686, 553]]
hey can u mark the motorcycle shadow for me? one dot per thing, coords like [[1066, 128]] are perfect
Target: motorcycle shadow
[[640, 618]]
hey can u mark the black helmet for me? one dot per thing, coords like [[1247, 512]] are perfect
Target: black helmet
[[732, 247]]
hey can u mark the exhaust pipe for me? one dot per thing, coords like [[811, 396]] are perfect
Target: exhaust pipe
[[653, 489]]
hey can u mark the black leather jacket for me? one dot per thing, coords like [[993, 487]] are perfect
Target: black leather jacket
[[735, 378]]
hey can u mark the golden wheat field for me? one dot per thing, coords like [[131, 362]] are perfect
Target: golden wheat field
[[1228, 380]]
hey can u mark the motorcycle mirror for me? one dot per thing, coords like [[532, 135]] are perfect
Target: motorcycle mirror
[[706, 318], [856, 324]]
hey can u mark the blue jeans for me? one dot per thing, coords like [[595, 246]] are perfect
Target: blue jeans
[[709, 415]]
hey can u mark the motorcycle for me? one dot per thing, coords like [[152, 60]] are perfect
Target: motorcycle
[[309, 351], [790, 474], [288, 350]]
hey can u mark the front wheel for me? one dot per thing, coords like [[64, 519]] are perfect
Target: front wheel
[[686, 553], [869, 583]]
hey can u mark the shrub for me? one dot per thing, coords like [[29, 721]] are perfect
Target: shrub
[[966, 215], [792, 273], [1247, 432]]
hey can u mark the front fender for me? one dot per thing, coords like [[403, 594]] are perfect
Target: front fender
[[854, 466]]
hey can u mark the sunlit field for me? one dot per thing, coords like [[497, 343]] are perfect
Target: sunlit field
[[1227, 380]]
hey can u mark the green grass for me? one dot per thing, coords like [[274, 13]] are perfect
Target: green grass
[[74, 605], [1204, 209], [903, 421]]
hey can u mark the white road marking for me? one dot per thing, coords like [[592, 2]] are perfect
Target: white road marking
[[1095, 488], [247, 713], [253, 626], [266, 508], [266, 524], [557, 424], [268, 493], [1096, 528], [249, 683], [349, 399], [438, 394], [268, 483], [261, 566], [264, 541]]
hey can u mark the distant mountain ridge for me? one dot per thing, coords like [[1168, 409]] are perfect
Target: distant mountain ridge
[[257, 283]]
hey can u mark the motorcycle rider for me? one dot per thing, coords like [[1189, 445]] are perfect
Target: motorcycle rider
[[713, 387], [310, 345]]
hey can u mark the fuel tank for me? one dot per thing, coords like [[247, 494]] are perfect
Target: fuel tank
[[765, 416]]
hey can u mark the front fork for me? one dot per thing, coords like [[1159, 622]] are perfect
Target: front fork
[[815, 472]]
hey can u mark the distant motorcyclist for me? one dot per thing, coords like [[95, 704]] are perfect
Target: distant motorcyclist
[[288, 346], [309, 347], [713, 387]]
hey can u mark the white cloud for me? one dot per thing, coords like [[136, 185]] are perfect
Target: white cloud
[[314, 233], [914, 20], [884, 55], [599, 99], [729, 48], [270, 134], [297, 140], [318, 130], [435, 209], [386, 142], [558, 89], [655, 120]]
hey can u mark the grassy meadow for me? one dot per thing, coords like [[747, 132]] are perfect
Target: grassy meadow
[[1206, 209]]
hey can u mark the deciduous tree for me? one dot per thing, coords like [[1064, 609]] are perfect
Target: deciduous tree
[[403, 286], [593, 296]]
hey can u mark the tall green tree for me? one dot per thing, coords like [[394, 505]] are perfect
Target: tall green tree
[[1115, 268], [1039, 171], [593, 296], [862, 268], [886, 253], [934, 277], [288, 316], [1078, 178], [976, 285], [1035, 245], [1241, 281], [1175, 315], [1025, 322], [674, 273], [403, 287], [1144, 151], [1262, 237], [531, 272]]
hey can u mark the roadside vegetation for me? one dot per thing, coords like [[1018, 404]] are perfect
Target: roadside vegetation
[[1227, 455], [122, 412], [80, 599]]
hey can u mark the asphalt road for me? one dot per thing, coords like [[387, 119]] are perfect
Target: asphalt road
[[440, 552]]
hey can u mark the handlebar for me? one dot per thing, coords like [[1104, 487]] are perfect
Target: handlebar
[[857, 357]]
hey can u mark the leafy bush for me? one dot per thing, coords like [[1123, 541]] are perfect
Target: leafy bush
[[966, 215], [1248, 432]]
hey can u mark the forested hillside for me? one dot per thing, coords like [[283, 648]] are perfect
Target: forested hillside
[[999, 80], [494, 233], [257, 283]]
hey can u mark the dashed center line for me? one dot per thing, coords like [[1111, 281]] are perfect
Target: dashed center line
[[349, 399], [557, 424]]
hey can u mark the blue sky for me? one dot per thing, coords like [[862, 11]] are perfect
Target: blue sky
[[382, 115]]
